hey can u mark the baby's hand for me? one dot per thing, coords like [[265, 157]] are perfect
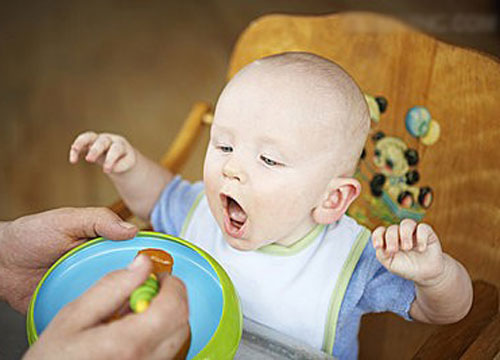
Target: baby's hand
[[409, 250], [112, 152]]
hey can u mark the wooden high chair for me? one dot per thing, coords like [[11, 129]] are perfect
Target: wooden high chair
[[437, 107]]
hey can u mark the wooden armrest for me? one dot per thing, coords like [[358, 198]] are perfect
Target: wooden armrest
[[487, 345], [178, 152], [453, 341]]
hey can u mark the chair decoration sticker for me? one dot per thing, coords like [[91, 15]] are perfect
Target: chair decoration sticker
[[388, 169]]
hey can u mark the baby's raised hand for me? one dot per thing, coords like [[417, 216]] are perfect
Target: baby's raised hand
[[112, 152], [410, 250]]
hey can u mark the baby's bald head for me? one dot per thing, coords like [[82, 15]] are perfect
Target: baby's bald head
[[314, 91]]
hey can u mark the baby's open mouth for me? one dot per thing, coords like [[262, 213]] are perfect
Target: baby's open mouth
[[236, 217]]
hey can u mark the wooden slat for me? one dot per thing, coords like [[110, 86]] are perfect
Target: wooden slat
[[183, 143]]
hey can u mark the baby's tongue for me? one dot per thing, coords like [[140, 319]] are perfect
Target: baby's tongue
[[236, 212]]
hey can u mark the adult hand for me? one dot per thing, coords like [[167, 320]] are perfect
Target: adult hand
[[31, 244], [80, 330]]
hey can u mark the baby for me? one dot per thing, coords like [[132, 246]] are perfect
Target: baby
[[278, 178]]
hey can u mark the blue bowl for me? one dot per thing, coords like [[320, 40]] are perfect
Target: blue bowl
[[215, 316]]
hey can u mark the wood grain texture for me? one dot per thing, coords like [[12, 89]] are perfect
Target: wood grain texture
[[461, 89], [487, 345], [454, 340], [386, 336]]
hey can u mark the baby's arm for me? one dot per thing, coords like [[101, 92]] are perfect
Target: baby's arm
[[139, 181], [413, 251]]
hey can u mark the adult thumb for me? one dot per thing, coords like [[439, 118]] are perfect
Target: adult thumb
[[105, 297], [92, 222]]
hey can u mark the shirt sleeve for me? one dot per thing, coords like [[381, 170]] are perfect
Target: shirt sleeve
[[173, 206], [385, 291]]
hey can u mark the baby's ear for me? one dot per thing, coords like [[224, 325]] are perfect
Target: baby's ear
[[340, 193]]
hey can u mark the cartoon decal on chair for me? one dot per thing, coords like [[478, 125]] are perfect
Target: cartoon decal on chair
[[395, 174], [376, 105], [420, 125], [388, 170]]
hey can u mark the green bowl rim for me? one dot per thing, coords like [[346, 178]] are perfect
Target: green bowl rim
[[231, 309]]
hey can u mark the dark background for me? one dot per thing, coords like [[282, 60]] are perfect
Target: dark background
[[135, 68]]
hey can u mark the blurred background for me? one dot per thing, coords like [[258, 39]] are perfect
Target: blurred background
[[135, 68]]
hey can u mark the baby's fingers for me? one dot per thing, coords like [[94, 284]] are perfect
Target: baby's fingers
[[392, 239], [407, 234], [378, 237], [425, 236], [115, 153], [98, 148], [125, 163], [81, 144]]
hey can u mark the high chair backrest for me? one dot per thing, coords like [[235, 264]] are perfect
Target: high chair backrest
[[432, 152], [431, 155]]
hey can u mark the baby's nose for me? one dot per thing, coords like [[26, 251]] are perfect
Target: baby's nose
[[232, 171]]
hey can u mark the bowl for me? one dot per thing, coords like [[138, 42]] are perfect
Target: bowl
[[214, 310]]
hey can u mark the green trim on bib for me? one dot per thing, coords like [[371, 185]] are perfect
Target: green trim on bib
[[340, 289], [281, 250], [190, 214]]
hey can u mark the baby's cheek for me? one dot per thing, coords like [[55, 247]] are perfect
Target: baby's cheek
[[211, 175], [212, 189], [279, 208]]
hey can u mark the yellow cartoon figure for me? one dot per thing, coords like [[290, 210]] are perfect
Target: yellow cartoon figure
[[395, 174]]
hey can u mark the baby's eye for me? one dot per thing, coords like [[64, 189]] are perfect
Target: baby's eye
[[268, 161], [226, 149]]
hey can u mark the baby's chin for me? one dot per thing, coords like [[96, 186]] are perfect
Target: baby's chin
[[242, 244]]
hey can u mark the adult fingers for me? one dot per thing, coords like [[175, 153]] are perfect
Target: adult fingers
[[131, 337], [81, 143], [171, 302], [174, 346], [79, 223], [105, 297], [167, 312]]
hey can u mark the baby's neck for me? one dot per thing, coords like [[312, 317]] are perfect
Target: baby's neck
[[304, 236]]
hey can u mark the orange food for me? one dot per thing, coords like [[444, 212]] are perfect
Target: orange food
[[162, 260]]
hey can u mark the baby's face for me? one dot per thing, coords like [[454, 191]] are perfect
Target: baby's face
[[267, 164]]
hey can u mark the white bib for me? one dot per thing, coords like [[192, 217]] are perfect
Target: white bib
[[296, 292]]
